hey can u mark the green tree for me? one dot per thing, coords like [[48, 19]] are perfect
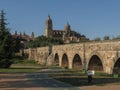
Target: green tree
[[106, 38], [41, 41], [6, 44], [97, 39], [116, 38]]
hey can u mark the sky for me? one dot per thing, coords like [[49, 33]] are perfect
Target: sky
[[93, 18]]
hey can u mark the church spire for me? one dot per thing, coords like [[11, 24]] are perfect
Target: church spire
[[67, 27], [15, 32], [32, 35], [49, 16], [49, 27], [68, 24]]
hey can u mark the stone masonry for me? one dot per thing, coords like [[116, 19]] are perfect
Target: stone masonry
[[107, 51]]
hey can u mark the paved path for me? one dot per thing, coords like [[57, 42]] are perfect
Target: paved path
[[32, 81], [40, 81]]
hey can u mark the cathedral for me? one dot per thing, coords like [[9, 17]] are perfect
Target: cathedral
[[67, 34]]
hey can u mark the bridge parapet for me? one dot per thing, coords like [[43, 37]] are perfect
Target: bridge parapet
[[68, 47]]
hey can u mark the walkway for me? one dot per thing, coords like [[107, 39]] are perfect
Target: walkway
[[40, 81], [32, 81]]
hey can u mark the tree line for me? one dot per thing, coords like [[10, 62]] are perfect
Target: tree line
[[42, 41], [106, 38]]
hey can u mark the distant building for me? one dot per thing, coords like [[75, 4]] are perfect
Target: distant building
[[23, 38], [67, 34]]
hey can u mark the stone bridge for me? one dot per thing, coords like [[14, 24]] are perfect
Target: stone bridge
[[100, 56]]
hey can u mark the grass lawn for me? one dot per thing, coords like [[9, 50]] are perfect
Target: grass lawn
[[78, 78], [19, 69], [25, 68], [21, 65]]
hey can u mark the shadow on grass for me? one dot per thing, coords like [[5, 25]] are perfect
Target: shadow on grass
[[83, 81], [30, 84], [34, 80]]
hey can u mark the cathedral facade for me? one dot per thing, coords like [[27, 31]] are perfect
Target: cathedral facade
[[67, 34]]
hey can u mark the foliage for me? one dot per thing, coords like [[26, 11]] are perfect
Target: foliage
[[97, 39], [6, 44], [116, 38], [106, 38], [18, 46], [24, 61], [41, 41]]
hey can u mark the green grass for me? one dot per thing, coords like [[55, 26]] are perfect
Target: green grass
[[20, 68], [17, 70], [24, 61], [21, 65]]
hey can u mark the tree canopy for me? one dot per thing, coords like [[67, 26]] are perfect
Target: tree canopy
[[6, 43], [41, 41]]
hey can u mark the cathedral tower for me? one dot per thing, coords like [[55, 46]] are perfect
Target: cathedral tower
[[67, 29], [49, 28]]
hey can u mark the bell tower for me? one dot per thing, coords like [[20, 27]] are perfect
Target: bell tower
[[67, 29], [49, 27]]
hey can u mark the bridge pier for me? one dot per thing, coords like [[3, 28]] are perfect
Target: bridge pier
[[70, 64]]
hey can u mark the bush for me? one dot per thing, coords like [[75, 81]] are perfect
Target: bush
[[22, 60], [5, 63]]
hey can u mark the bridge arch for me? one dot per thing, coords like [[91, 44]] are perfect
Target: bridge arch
[[65, 62], [56, 59], [95, 63], [116, 68], [77, 62]]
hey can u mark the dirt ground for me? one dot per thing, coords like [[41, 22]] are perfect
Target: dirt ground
[[106, 87], [19, 81]]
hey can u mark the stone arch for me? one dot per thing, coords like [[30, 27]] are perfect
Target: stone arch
[[116, 68], [56, 59], [65, 62], [95, 63], [77, 62]]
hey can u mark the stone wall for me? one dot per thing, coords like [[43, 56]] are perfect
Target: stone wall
[[108, 52], [40, 55]]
